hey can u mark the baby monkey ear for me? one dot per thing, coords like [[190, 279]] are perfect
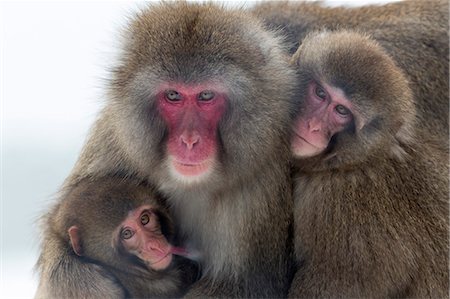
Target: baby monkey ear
[[75, 240]]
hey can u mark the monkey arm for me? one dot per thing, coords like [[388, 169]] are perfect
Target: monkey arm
[[64, 275], [357, 274], [375, 243]]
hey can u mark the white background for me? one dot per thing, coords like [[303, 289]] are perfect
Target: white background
[[53, 60]]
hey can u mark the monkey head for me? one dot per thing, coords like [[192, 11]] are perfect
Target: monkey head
[[186, 98], [356, 102], [121, 227], [140, 234]]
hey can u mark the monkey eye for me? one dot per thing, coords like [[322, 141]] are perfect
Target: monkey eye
[[126, 233], [173, 96], [145, 218], [341, 110], [206, 95], [320, 92]]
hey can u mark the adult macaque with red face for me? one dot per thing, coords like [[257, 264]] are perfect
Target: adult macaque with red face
[[192, 114], [371, 185], [199, 105], [125, 229]]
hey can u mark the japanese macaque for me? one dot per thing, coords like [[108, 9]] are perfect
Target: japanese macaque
[[200, 105], [125, 229], [414, 33], [371, 185]]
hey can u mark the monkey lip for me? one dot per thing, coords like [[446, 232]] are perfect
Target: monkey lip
[[302, 148], [192, 169], [179, 251], [162, 263], [303, 139]]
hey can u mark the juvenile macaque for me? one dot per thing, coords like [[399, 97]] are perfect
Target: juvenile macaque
[[415, 33], [371, 186], [126, 229]]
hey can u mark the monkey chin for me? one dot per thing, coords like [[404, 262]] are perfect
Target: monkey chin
[[160, 264], [302, 149], [190, 173]]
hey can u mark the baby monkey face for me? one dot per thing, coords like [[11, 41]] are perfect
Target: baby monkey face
[[140, 234]]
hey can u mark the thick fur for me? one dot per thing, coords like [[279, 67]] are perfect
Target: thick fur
[[97, 208], [371, 213], [415, 33], [240, 217]]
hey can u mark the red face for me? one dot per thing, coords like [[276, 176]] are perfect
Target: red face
[[192, 113], [327, 112], [141, 235]]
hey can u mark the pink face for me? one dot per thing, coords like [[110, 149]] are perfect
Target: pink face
[[192, 113], [140, 233], [327, 111]]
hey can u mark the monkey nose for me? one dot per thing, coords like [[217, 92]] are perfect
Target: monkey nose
[[189, 140], [158, 247], [314, 126]]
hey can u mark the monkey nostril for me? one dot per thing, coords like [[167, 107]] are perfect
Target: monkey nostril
[[315, 125], [190, 141], [313, 128]]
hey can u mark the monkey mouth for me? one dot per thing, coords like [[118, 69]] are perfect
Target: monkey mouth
[[179, 251], [192, 169], [190, 254], [162, 263], [302, 148], [303, 139]]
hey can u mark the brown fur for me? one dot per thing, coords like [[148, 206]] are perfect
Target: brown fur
[[415, 33], [239, 218], [97, 209], [371, 213]]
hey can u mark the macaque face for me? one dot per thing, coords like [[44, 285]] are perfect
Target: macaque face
[[327, 112], [192, 113], [140, 234]]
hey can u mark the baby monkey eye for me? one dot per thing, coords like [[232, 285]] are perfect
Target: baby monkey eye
[[145, 218], [173, 95], [320, 92], [206, 95], [126, 234], [342, 110]]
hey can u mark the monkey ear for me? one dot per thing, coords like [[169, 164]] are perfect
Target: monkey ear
[[74, 235]]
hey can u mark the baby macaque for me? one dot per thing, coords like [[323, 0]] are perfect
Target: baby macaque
[[127, 230]]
